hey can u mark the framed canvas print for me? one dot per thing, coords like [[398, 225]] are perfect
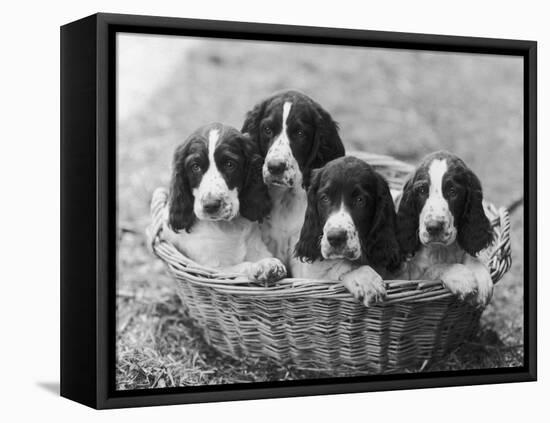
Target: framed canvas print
[[254, 211]]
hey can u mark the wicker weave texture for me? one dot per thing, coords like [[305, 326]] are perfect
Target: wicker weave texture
[[316, 324]]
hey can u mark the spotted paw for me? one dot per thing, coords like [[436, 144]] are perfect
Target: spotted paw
[[484, 287], [460, 280], [267, 270], [365, 285]]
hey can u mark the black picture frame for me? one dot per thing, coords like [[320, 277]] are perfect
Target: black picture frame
[[88, 215]]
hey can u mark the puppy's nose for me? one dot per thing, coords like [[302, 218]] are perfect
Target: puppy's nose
[[276, 167], [211, 205], [337, 237], [434, 227]]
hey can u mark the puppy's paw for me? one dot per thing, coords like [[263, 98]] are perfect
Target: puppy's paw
[[267, 270], [365, 285], [484, 287], [460, 280]]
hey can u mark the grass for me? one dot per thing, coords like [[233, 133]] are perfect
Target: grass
[[401, 103]]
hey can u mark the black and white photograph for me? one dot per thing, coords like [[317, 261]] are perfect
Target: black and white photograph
[[290, 211]]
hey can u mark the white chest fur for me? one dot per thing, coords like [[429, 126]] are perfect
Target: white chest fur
[[427, 257], [281, 229], [217, 244]]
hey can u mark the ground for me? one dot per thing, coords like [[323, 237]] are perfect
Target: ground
[[401, 103]]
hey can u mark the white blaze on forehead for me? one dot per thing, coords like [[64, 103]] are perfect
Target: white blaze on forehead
[[212, 181], [213, 137], [340, 219], [212, 172], [282, 142], [437, 171], [286, 112]]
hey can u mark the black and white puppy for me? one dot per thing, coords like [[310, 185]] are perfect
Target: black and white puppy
[[442, 226], [217, 196], [349, 228], [295, 135]]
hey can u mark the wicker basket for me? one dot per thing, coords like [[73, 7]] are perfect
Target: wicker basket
[[316, 324]]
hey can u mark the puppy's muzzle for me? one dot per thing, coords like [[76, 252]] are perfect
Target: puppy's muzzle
[[280, 167], [276, 167], [337, 238], [340, 238], [212, 206], [215, 208], [437, 230]]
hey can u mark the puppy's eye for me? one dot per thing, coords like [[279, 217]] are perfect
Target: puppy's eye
[[300, 133], [229, 165], [452, 192], [196, 168], [267, 130], [359, 201], [422, 189], [324, 198]]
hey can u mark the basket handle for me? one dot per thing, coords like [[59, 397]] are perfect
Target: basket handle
[[158, 215], [500, 260]]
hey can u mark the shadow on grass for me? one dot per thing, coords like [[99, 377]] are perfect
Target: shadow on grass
[[162, 347], [485, 350]]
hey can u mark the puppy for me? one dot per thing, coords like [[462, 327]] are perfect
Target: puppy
[[349, 228], [442, 227], [295, 135], [216, 199]]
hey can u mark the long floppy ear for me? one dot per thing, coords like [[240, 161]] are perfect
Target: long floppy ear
[[380, 245], [254, 199], [407, 221], [252, 122], [327, 144], [308, 247], [474, 229], [181, 200]]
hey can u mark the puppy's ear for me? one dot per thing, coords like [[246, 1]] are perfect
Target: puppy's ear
[[251, 125], [181, 200], [308, 247], [254, 199], [407, 220], [474, 229], [327, 144], [381, 247]]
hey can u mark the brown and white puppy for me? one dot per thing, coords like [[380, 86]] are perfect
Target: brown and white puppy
[[217, 196], [349, 228], [295, 135], [442, 226]]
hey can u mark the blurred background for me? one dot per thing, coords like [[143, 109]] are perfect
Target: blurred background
[[399, 102]]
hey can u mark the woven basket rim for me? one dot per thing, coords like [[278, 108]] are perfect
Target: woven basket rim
[[497, 257]]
